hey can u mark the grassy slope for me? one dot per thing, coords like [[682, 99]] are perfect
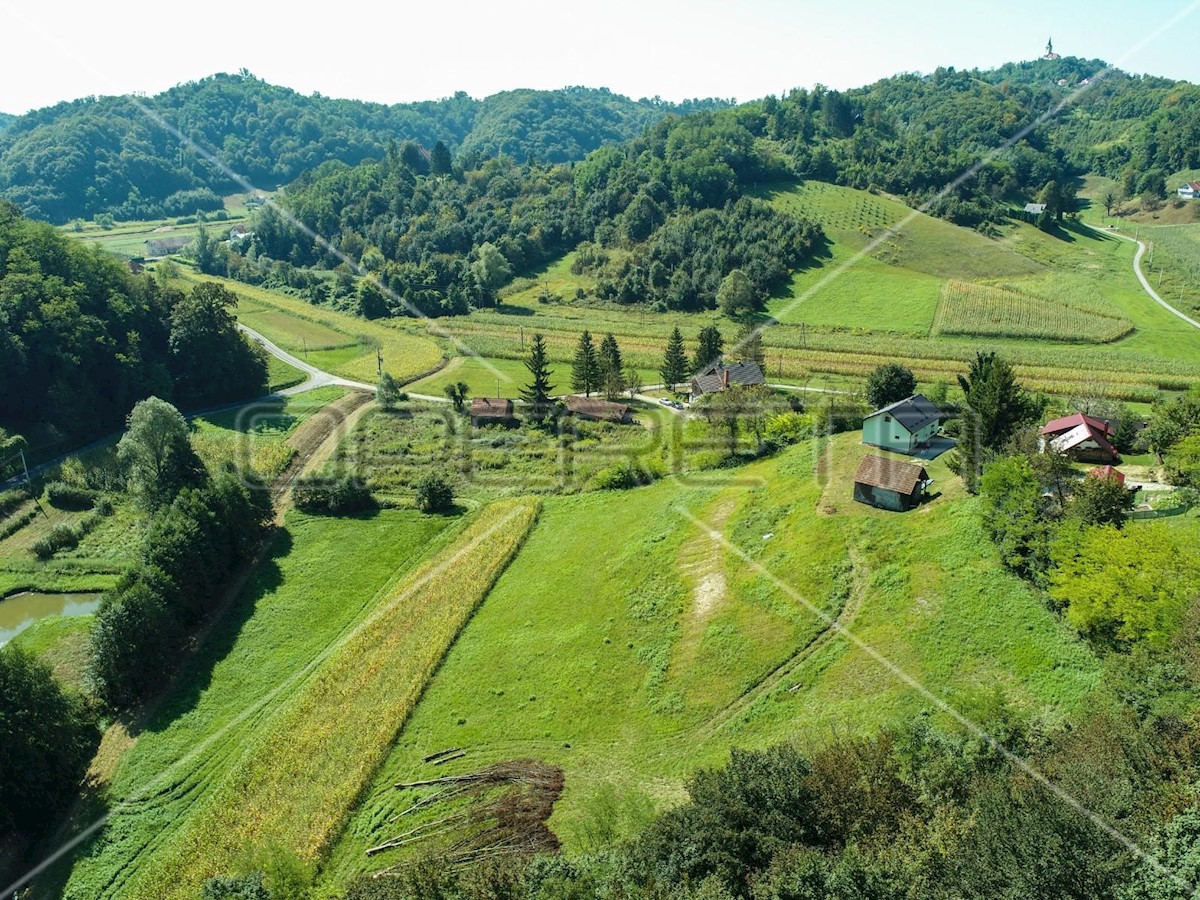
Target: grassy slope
[[301, 773], [628, 683], [321, 577], [290, 322]]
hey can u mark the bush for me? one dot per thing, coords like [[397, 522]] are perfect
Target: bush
[[69, 496], [10, 500], [434, 494], [332, 498], [789, 428], [61, 537], [624, 476]]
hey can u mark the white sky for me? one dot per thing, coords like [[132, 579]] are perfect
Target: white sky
[[393, 52]]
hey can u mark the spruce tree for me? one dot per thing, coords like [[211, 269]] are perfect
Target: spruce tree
[[439, 160], [709, 350], [750, 345], [585, 367], [612, 369], [536, 394], [674, 367]]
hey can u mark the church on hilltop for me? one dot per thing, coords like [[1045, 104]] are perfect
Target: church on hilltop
[[1050, 54]]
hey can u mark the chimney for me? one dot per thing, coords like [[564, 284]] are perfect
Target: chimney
[[725, 377]]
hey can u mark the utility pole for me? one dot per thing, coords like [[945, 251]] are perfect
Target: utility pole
[[29, 484], [379, 362], [804, 334], [1160, 271], [522, 327], [305, 348], [497, 388]]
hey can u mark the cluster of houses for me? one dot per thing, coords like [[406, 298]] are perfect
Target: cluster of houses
[[910, 426], [500, 411]]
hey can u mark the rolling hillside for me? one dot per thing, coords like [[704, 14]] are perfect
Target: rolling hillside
[[122, 155]]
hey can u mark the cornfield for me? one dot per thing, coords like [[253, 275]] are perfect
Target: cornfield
[[986, 311], [299, 778]]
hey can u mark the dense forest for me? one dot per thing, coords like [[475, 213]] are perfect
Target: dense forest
[[82, 340], [133, 156], [5, 120]]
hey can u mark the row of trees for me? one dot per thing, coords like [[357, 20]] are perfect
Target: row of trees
[[202, 527]]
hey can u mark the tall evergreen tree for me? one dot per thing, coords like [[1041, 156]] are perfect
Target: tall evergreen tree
[[612, 368], [439, 160], [750, 345], [675, 364], [585, 367], [536, 393], [709, 351]]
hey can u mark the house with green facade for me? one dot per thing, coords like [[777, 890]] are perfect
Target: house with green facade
[[905, 426]]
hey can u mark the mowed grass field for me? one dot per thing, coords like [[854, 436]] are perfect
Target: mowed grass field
[[636, 648], [345, 344], [321, 578]]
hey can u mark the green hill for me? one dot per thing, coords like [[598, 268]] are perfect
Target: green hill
[[122, 154]]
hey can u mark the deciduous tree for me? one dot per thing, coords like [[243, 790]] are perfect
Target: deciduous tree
[[889, 383]]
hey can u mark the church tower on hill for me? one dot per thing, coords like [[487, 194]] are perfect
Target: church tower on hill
[[1050, 54]]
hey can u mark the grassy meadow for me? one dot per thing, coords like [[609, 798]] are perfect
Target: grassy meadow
[[297, 779], [321, 578], [684, 648]]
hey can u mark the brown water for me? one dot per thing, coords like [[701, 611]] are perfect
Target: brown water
[[20, 611]]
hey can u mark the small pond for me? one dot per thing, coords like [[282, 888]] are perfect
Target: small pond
[[19, 611]]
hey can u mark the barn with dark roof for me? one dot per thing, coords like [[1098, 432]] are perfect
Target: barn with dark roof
[[890, 483]]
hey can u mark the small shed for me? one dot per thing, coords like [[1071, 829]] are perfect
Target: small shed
[[904, 426], [1035, 209], [491, 411], [597, 410], [890, 483]]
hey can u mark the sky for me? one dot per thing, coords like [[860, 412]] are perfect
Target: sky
[[403, 51]]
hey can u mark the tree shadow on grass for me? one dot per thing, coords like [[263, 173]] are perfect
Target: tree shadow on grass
[[195, 676]]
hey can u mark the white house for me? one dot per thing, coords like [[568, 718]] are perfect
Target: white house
[[1190, 191]]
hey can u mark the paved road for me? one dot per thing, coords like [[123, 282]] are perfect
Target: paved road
[[317, 378], [1137, 270]]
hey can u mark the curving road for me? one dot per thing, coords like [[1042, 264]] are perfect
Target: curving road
[[1137, 270]]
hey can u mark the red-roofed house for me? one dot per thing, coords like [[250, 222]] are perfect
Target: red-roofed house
[[1081, 437], [1189, 191]]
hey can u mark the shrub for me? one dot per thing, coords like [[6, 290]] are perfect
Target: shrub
[[789, 428], [68, 496], [434, 494], [61, 537], [339, 497], [624, 476], [10, 500]]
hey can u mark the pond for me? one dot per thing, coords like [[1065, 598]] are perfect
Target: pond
[[20, 611]]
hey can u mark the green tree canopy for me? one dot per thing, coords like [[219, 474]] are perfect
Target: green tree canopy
[[889, 383], [708, 350], [585, 366], [675, 363], [736, 296], [157, 453], [537, 391]]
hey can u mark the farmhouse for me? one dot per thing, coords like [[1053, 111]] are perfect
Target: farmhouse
[[1189, 191], [904, 426], [890, 483], [596, 410], [491, 411], [1035, 209], [1081, 437], [166, 246], [719, 376]]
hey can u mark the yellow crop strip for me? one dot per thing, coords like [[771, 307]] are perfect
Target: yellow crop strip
[[297, 782]]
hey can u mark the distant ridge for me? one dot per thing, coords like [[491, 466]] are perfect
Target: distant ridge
[[106, 155]]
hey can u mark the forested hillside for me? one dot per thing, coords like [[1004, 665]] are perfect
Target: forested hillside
[[5, 120], [124, 155], [82, 340]]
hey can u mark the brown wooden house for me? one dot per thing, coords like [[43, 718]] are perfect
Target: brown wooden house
[[491, 411], [597, 410], [890, 483]]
